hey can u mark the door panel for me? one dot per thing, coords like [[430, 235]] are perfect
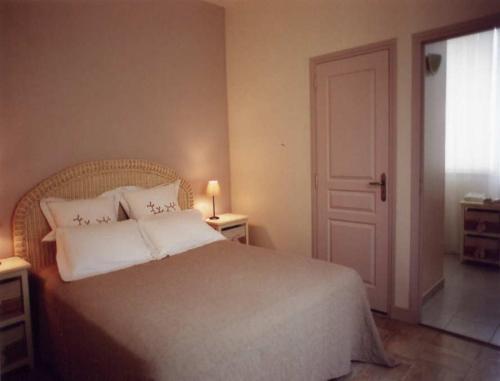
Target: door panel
[[352, 135], [348, 93], [354, 246], [352, 201]]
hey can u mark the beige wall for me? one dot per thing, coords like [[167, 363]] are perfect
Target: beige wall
[[431, 257], [86, 80], [269, 44]]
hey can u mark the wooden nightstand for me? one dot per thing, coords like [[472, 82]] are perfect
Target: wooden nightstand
[[480, 235], [16, 344], [232, 226]]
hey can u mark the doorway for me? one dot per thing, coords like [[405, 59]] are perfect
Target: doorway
[[352, 103], [459, 260]]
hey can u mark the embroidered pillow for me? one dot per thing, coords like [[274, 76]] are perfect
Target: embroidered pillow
[[64, 213], [153, 201]]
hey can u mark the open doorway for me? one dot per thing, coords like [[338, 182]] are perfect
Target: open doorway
[[460, 206]]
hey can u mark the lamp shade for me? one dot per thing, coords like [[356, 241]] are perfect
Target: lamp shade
[[213, 188]]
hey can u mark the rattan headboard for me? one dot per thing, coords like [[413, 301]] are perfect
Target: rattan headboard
[[81, 181]]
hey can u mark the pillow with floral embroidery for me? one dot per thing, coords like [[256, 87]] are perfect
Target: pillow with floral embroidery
[[65, 213], [152, 202]]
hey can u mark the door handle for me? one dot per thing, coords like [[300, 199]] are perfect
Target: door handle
[[382, 184]]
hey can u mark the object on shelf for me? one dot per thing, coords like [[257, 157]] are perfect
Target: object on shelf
[[475, 197]]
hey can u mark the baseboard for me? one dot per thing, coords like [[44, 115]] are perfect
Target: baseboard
[[404, 314], [412, 316], [432, 290]]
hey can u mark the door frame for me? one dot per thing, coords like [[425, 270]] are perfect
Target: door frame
[[391, 47], [419, 40]]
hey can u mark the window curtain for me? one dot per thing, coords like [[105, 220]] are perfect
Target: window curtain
[[472, 124]]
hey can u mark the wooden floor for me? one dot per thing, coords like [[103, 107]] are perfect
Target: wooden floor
[[429, 355], [424, 354]]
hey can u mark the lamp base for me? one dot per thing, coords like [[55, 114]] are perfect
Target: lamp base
[[213, 218]]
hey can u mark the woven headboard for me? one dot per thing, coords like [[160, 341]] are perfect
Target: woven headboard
[[84, 180]]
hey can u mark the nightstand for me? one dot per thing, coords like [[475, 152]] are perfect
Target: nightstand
[[232, 226], [480, 235], [16, 344]]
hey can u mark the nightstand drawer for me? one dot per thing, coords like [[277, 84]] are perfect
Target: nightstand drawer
[[11, 298], [13, 345], [234, 232]]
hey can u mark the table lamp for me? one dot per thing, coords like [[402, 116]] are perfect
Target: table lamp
[[213, 189]]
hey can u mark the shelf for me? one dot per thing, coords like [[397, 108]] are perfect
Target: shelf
[[12, 320], [493, 206], [474, 259], [482, 234]]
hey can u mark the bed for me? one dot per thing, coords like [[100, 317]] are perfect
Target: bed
[[223, 311]]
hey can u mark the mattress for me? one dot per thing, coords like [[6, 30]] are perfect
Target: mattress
[[224, 311]]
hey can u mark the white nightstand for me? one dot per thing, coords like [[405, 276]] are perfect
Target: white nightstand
[[16, 343], [232, 226]]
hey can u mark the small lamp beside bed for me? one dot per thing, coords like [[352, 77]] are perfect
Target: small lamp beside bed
[[213, 189]]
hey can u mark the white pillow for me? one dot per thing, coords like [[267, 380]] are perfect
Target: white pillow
[[60, 212], [98, 249], [153, 201], [174, 233]]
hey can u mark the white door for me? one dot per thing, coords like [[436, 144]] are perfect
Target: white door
[[352, 148]]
